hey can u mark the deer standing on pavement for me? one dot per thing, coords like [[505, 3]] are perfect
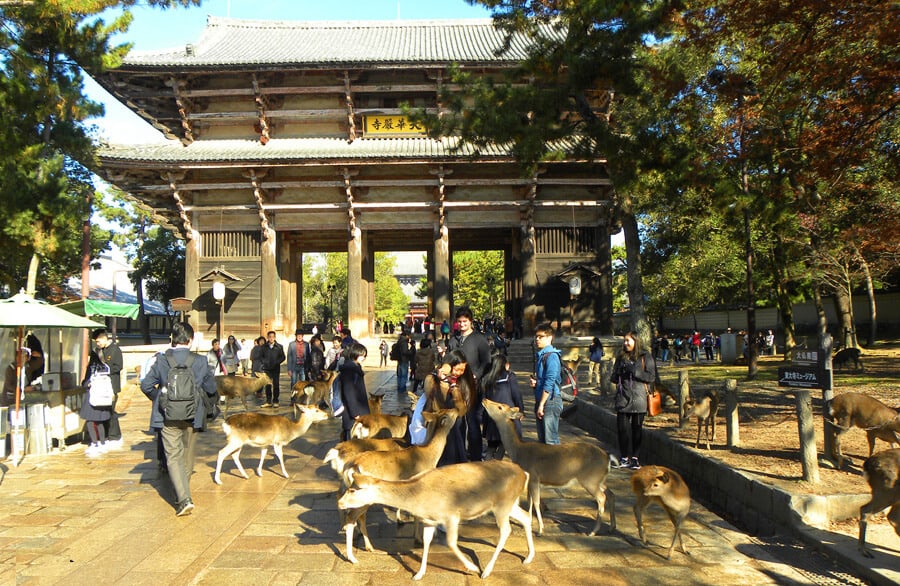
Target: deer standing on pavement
[[658, 484], [704, 409], [314, 392], [260, 430], [231, 387], [555, 465], [395, 465], [450, 494], [882, 472]]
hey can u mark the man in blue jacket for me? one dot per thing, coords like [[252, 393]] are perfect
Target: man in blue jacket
[[548, 403], [179, 436]]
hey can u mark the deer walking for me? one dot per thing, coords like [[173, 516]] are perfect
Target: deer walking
[[445, 496], [658, 484], [231, 387], [704, 409], [314, 392], [882, 472], [555, 465], [858, 410], [260, 430]]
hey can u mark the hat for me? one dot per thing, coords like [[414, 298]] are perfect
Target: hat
[[298, 332]]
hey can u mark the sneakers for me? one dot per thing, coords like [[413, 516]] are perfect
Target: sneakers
[[265, 405], [274, 405], [635, 465], [115, 444], [93, 451], [184, 508]]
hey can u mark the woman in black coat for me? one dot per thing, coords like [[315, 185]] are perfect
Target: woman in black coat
[[500, 385], [316, 358], [633, 372], [353, 387]]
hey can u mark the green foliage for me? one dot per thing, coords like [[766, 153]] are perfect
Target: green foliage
[[391, 303], [160, 264], [478, 281]]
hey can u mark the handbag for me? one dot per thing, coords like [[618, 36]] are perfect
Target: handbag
[[654, 402], [100, 393]]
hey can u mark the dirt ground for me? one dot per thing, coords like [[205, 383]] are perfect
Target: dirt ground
[[769, 436]]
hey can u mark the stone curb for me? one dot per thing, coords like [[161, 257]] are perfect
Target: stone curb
[[760, 508]]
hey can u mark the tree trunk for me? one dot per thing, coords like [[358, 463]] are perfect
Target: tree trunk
[[870, 293], [842, 306], [783, 295], [142, 317], [639, 323], [31, 283], [822, 318]]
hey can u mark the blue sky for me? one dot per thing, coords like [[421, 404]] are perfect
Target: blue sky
[[158, 29]]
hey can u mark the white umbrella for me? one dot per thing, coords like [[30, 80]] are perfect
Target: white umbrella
[[23, 310]]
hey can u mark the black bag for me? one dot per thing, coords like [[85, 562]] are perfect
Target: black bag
[[395, 351], [178, 398]]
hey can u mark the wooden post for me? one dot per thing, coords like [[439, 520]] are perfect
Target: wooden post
[[808, 456], [684, 391], [732, 429]]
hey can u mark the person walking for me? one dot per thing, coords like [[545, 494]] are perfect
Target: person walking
[[352, 384], [272, 357], [298, 358], [316, 357], [96, 412], [547, 399], [633, 372], [405, 352], [111, 355], [595, 362], [243, 355], [478, 356], [180, 420], [231, 353], [383, 352], [425, 361], [216, 359]]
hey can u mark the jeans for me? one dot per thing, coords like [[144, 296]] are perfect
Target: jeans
[[402, 376], [179, 439], [297, 376], [548, 427]]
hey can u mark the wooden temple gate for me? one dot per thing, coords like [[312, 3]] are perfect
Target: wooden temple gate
[[289, 138]]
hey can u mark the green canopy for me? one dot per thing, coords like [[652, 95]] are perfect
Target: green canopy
[[88, 307]]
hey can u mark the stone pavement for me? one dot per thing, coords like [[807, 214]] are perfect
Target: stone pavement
[[68, 519]]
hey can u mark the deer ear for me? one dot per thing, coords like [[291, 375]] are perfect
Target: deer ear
[[664, 477], [515, 415]]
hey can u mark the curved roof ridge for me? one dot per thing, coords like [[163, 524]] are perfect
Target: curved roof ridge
[[396, 23]]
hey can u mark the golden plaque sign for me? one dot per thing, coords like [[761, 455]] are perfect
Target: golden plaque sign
[[392, 126]]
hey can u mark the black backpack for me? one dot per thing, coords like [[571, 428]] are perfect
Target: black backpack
[[178, 397], [395, 351]]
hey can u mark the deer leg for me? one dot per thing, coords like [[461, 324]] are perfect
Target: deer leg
[[706, 429], [639, 507], [244, 402], [233, 449], [534, 503], [505, 530], [875, 505], [278, 452], [870, 435], [600, 494], [452, 536], [427, 536], [524, 518], [699, 426], [262, 457], [677, 520]]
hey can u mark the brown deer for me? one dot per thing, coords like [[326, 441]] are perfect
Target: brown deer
[[882, 472], [555, 465], [395, 465], [450, 494], [314, 392], [231, 387], [704, 409], [339, 455], [857, 410], [260, 430], [380, 425], [657, 484]]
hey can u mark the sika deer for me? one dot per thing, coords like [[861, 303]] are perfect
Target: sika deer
[[882, 472], [380, 426], [445, 496], [858, 410], [262, 430], [396, 465], [339, 455], [657, 484], [230, 387], [704, 410], [555, 465], [314, 392]]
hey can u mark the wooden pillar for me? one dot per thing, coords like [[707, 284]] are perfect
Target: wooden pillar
[[603, 300], [808, 457], [368, 283], [288, 272], [357, 292], [529, 285], [684, 393], [192, 254], [429, 281], [270, 284], [298, 287], [441, 274]]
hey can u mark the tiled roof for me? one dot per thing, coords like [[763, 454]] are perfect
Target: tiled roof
[[297, 150], [235, 42]]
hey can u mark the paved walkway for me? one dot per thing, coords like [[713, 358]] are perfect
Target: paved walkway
[[68, 519]]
